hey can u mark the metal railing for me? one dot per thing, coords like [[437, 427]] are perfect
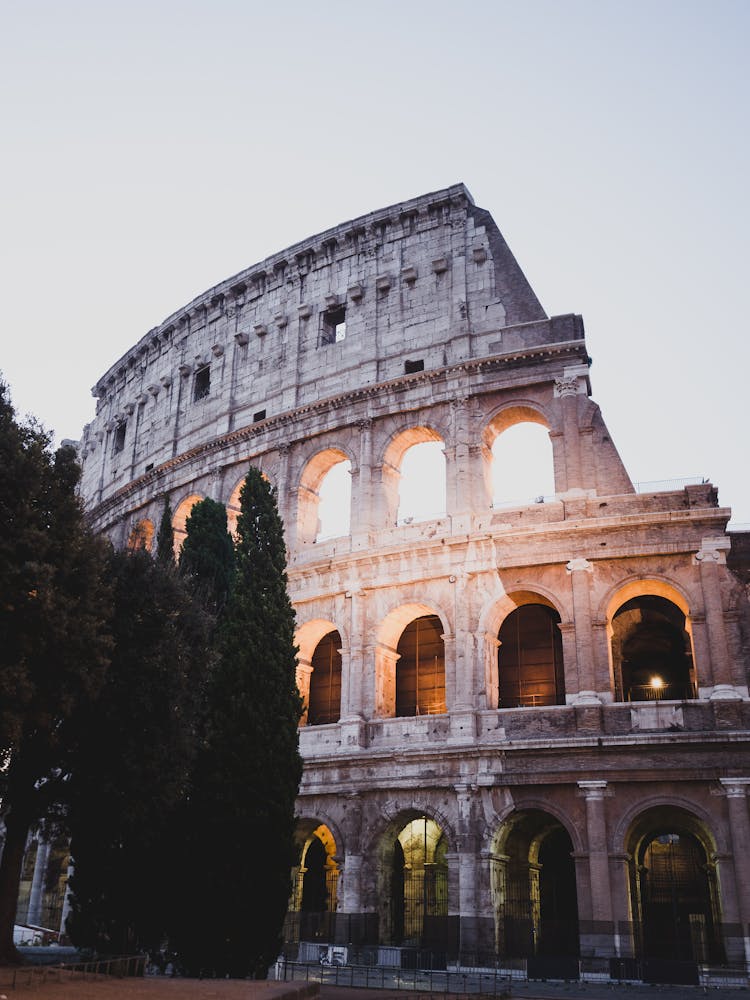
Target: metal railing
[[473, 982], [122, 967]]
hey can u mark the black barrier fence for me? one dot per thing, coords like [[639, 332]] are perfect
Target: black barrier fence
[[497, 981], [605, 950]]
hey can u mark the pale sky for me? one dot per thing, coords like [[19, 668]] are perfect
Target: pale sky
[[153, 149]]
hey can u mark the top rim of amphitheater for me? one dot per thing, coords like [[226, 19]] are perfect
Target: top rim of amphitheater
[[453, 192]]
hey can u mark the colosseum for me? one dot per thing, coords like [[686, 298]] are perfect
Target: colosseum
[[526, 731]]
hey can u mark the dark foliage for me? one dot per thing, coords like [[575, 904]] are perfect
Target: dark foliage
[[207, 555], [133, 762], [54, 640], [165, 536], [241, 808]]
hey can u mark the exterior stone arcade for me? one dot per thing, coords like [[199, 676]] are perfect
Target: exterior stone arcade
[[525, 787]]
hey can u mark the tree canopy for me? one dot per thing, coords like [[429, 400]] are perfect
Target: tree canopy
[[54, 633], [133, 760]]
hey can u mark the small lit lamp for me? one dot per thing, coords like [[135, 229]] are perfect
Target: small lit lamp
[[657, 683]]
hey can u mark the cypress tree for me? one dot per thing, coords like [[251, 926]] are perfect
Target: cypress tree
[[207, 555], [133, 761], [247, 776], [165, 536]]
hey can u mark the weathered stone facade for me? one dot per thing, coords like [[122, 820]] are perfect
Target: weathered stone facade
[[416, 324]]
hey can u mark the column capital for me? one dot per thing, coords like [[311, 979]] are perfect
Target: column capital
[[735, 788], [593, 789], [579, 565]]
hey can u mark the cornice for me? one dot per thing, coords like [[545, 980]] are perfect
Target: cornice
[[349, 397]]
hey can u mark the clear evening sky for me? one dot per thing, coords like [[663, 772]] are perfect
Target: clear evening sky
[[152, 149]]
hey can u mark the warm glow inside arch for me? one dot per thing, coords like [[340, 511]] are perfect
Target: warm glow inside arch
[[179, 520]]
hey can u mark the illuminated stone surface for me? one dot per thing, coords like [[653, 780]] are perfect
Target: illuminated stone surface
[[416, 324]]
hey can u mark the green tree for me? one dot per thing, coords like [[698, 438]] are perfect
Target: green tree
[[207, 554], [54, 639], [247, 776], [165, 536], [132, 764]]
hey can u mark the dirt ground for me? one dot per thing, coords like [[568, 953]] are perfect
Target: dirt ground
[[149, 988]]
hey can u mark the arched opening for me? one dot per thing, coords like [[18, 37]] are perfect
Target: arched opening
[[420, 668], [413, 477], [522, 469], [419, 884], [324, 703], [534, 888], [179, 519], [335, 502], [530, 659], [324, 501], [315, 895], [674, 889], [651, 651], [142, 535], [422, 490]]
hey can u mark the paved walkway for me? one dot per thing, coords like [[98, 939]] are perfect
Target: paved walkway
[[160, 988]]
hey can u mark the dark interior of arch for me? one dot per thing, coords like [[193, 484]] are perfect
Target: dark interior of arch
[[324, 705], [530, 662], [651, 646], [420, 669], [676, 899]]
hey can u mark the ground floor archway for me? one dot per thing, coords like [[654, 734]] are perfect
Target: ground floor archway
[[533, 887]]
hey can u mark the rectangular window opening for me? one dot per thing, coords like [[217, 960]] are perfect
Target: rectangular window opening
[[334, 326], [119, 438], [202, 384], [411, 367], [260, 415]]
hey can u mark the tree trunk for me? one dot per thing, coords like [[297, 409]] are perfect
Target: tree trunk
[[11, 865]]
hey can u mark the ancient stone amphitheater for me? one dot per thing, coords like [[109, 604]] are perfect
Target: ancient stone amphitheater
[[526, 736]]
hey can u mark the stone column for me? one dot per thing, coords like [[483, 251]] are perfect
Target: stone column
[[567, 389], [600, 941], [304, 673], [735, 790], [351, 895], [362, 517], [709, 558], [283, 492], [487, 645], [579, 571], [459, 471], [36, 894], [353, 669]]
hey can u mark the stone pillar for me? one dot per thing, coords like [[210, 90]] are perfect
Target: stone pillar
[[579, 571], [304, 673], [709, 558], [351, 884], [36, 895], [353, 670], [604, 682], [573, 383], [600, 940], [735, 790], [386, 659], [487, 646], [464, 478], [363, 509], [284, 495]]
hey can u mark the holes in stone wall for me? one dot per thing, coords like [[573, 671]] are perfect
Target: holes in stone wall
[[333, 326], [202, 383]]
